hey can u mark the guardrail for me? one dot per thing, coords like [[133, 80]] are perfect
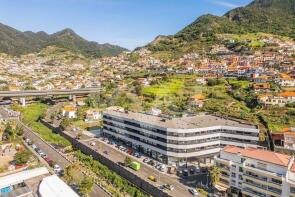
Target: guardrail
[[48, 92]]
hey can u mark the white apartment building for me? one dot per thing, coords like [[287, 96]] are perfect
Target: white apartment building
[[255, 172], [178, 140], [281, 99]]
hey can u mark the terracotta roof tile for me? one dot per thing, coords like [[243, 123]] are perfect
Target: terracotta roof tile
[[287, 94], [267, 156], [259, 154], [232, 149]]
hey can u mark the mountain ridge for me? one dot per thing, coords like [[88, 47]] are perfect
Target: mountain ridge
[[266, 16], [15, 42]]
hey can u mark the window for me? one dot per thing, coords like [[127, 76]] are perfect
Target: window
[[233, 175], [240, 177], [261, 166], [276, 181]]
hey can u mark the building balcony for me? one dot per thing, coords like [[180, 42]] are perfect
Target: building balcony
[[224, 176], [262, 189], [223, 161], [250, 192], [263, 172], [261, 180]]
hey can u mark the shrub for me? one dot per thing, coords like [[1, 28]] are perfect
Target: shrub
[[22, 157]]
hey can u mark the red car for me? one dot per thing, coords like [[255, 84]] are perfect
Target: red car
[[49, 161]]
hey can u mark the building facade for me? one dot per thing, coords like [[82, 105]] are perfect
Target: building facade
[[255, 172], [178, 140]]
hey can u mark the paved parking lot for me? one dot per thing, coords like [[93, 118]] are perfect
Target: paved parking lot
[[146, 170]]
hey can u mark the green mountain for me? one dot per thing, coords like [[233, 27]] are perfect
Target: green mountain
[[15, 42], [267, 16]]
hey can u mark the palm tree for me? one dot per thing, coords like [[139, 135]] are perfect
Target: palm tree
[[214, 174]]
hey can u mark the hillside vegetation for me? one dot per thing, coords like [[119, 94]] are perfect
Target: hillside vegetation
[[14, 42], [268, 16]]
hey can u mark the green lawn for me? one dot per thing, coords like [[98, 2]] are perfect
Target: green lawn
[[30, 115], [165, 88], [278, 118], [242, 84]]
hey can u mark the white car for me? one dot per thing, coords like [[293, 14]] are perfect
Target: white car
[[57, 168], [193, 191], [34, 146], [92, 143], [145, 160], [163, 168]]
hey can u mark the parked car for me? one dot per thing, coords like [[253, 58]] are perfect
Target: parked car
[[43, 155], [57, 169], [162, 168], [179, 172], [130, 151], [146, 160], [185, 172], [92, 143], [29, 142], [193, 191], [49, 161], [168, 186], [151, 162], [137, 154], [40, 152], [158, 166], [34, 146], [152, 178]]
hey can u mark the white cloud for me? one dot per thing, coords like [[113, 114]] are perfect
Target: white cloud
[[225, 4]]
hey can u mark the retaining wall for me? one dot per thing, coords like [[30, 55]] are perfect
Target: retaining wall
[[120, 170]]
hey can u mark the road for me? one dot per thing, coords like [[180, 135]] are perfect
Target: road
[[118, 156], [3, 114], [58, 157], [26, 93]]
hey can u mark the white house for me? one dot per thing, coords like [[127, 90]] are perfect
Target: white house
[[69, 111]]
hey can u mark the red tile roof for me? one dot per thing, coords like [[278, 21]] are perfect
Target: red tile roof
[[259, 154], [287, 94], [232, 149]]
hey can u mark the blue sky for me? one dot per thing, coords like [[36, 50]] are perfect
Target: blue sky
[[128, 23]]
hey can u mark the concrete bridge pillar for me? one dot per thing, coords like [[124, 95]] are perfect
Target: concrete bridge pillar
[[22, 101], [72, 98]]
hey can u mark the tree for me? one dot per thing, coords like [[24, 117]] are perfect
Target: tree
[[214, 174], [85, 186], [81, 112], [22, 157], [79, 134], [138, 90], [19, 131], [127, 161], [65, 123], [72, 174], [9, 133]]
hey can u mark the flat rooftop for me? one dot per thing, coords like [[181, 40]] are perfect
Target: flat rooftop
[[191, 122]]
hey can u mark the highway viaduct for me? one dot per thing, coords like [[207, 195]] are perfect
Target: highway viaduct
[[34, 93]]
